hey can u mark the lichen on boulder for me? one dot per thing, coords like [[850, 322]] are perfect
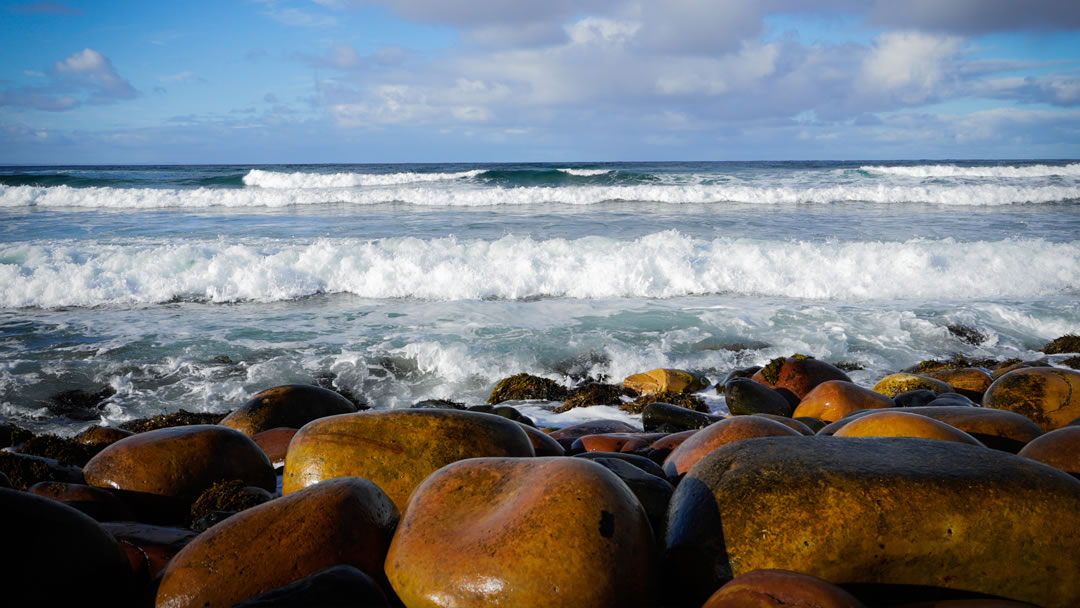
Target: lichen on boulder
[[526, 386]]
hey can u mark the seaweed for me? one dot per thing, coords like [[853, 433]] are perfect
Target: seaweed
[[527, 386], [688, 401], [164, 421]]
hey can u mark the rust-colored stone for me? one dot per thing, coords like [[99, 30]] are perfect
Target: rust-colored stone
[[970, 382], [543, 444], [290, 405], [396, 449], [1059, 448], [721, 433], [1048, 395], [798, 374], [998, 429], [340, 521], [834, 399], [485, 532], [665, 381], [617, 442], [903, 424], [274, 443], [780, 589]]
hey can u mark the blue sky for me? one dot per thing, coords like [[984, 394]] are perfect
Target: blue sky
[[293, 81]]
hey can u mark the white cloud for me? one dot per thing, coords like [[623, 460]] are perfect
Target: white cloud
[[908, 66], [86, 76]]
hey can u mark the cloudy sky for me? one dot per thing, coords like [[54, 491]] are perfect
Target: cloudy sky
[[286, 81]]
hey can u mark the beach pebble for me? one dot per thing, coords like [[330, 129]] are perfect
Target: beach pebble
[[58, 556], [744, 396], [1059, 448], [644, 464], [1049, 396], [896, 384], [523, 532], [396, 449], [341, 521], [165, 470], [98, 503], [666, 418], [290, 405], [337, 586], [780, 589], [798, 375], [721, 433], [666, 381], [660, 449], [903, 424], [970, 382], [857, 510]]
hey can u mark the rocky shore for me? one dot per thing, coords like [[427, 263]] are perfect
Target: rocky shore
[[955, 483]]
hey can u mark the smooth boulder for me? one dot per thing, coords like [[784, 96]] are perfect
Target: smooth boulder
[[1048, 395], [903, 424], [396, 449], [857, 510], [523, 532], [744, 396], [1059, 448], [780, 589], [798, 374], [895, 384], [290, 405], [833, 399], [665, 381], [730, 430], [346, 521], [998, 429]]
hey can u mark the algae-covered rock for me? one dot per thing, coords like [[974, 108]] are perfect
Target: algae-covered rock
[[79, 404], [24, 470], [61, 449], [833, 399], [1048, 395], [683, 400], [798, 374], [523, 532], [526, 386], [101, 436], [175, 419], [595, 393], [666, 381], [1069, 343], [291, 405], [878, 510], [895, 384], [971, 382], [233, 495], [396, 449]]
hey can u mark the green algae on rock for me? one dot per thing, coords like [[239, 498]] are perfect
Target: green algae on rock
[[526, 386]]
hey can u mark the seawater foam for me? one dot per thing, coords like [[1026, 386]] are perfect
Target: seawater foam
[[661, 265], [585, 172], [475, 196], [273, 179], [1070, 170]]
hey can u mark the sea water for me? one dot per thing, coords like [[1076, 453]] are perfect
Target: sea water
[[196, 286]]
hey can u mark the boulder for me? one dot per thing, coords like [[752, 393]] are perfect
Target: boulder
[[970, 382], [291, 405], [396, 449], [169, 468], [919, 397], [780, 589], [744, 396], [1059, 448], [334, 587], [798, 374], [652, 491], [274, 443], [721, 433], [646, 465], [523, 532], [171, 420], [1048, 395], [567, 435], [667, 418], [659, 450], [615, 442], [1069, 343], [101, 436], [795, 425], [525, 386], [998, 429], [903, 424], [58, 556], [666, 381], [857, 510], [894, 384], [231, 496], [345, 521], [100, 504], [543, 444], [149, 547]]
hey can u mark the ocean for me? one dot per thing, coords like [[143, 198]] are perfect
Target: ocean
[[196, 286]]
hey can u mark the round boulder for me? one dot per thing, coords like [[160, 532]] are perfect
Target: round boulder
[[396, 449], [721, 433], [744, 396], [971, 382], [903, 424], [833, 399], [798, 374], [780, 589], [666, 381], [346, 521], [1048, 395], [291, 405], [523, 532], [1059, 448], [895, 384], [998, 429]]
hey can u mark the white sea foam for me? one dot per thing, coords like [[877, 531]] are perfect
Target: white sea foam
[[661, 265], [474, 196], [274, 179], [1071, 170], [586, 172]]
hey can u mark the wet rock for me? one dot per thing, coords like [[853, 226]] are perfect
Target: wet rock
[[1015, 364], [175, 419], [895, 384], [567, 435], [833, 399], [63, 450], [525, 386], [483, 532], [167, 469], [856, 510], [99, 504], [615, 442], [919, 397], [683, 400], [149, 545], [666, 418], [796, 425], [998, 429], [274, 443], [955, 362], [814, 424], [1059, 448], [966, 333], [798, 374], [396, 449], [744, 396], [743, 372], [736, 428], [543, 444], [291, 405], [652, 491], [644, 464], [24, 470], [666, 381], [1071, 362], [970, 382], [210, 519], [346, 521], [890, 423], [59, 556], [505, 411], [334, 587], [101, 436], [951, 399], [438, 404], [11, 435], [79, 404], [780, 589], [328, 381], [595, 393], [233, 495], [1069, 343], [1048, 396]]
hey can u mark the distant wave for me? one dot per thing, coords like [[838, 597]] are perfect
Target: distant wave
[[474, 196], [1070, 170], [273, 179], [660, 265], [586, 172]]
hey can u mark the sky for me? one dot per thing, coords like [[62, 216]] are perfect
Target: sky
[[374, 81]]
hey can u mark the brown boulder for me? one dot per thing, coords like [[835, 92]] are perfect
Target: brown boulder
[[274, 443], [903, 424], [543, 444], [833, 399], [100, 436], [616, 442], [1059, 448], [895, 384], [568, 434], [100, 504], [396, 449], [665, 381], [170, 467], [1048, 395], [970, 382], [485, 532], [340, 521], [795, 425], [291, 405], [998, 429], [780, 589], [718, 434], [857, 510], [798, 374]]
